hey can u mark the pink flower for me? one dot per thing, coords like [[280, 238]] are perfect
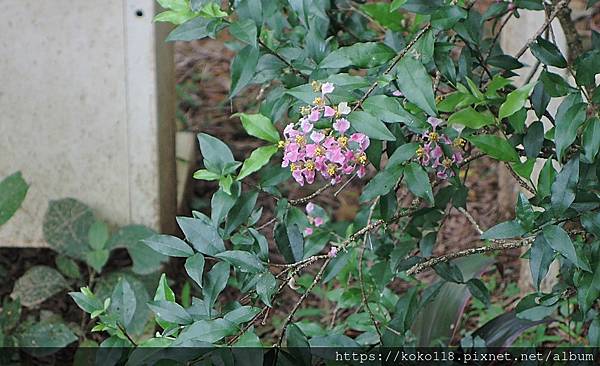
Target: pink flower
[[341, 125], [306, 126], [362, 170], [309, 174], [397, 93], [434, 122], [297, 174], [362, 140], [319, 221], [335, 155], [332, 252], [310, 207], [442, 175], [308, 231], [327, 88], [435, 155], [317, 136], [329, 112], [291, 154], [314, 115], [343, 108], [289, 130]]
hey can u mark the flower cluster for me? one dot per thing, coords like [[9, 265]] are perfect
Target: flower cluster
[[438, 151], [315, 217], [330, 152]]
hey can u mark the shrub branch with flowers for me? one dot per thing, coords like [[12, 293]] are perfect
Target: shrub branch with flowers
[[397, 98]]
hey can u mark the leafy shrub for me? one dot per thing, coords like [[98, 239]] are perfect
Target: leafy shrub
[[402, 97]]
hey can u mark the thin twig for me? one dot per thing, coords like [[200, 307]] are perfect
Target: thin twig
[[360, 273], [303, 200], [393, 64], [553, 15], [471, 220]]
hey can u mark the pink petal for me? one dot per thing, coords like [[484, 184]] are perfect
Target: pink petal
[[397, 93], [306, 126], [317, 136], [329, 112], [310, 207], [341, 125], [327, 88], [319, 221], [308, 231], [434, 122], [314, 115]]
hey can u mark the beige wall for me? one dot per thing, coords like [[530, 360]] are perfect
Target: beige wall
[[87, 111]]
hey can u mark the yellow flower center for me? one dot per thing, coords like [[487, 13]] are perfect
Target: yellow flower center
[[362, 159], [294, 167], [433, 136], [300, 140], [459, 142], [331, 168], [309, 165], [447, 162], [343, 141], [316, 86], [305, 110], [420, 151], [319, 101], [281, 144], [319, 151]]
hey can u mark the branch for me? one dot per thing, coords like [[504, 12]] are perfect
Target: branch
[[395, 61], [557, 9], [286, 62], [497, 245], [520, 180]]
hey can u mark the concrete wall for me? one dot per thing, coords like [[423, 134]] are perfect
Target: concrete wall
[[87, 110]]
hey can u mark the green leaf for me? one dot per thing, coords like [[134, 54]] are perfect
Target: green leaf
[[494, 146], [67, 266], [388, 110], [265, 287], [417, 182], [547, 53], [402, 154], [515, 100], [163, 291], [86, 300], [244, 30], [380, 12], [546, 179], [591, 222], [208, 331], [525, 213], [415, 84], [202, 234], [12, 194], [471, 118], [215, 282], [591, 140], [243, 314], [382, 183], [370, 126], [540, 258], [555, 85], [45, 338], [567, 123], [447, 16], [204, 174], [98, 235], [289, 241], [362, 55], [565, 186], [123, 302], [533, 141], [245, 261], [97, 259], [449, 271], [190, 30], [259, 126], [37, 285], [559, 240], [243, 68], [171, 312], [504, 230], [241, 211], [169, 245], [194, 266], [66, 226], [259, 158], [479, 291], [145, 260], [215, 153]]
